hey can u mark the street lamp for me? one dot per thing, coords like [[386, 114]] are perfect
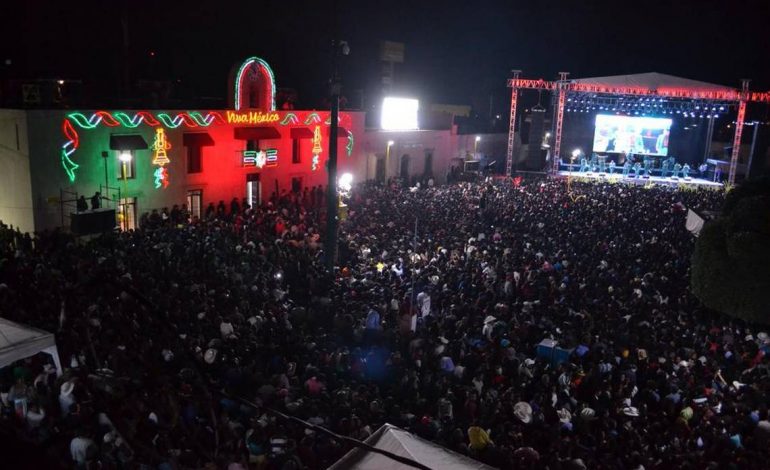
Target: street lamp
[[475, 147], [125, 158]]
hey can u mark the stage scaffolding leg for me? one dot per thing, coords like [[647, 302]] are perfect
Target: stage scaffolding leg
[[512, 124], [559, 121], [738, 132], [737, 142]]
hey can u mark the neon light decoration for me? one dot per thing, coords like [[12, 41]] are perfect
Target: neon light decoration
[[290, 118], [68, 149], [260, 158], [317, 149], [313, 118], [159, 147], [161, 178], [266, 72], [272, 158], [187, 119], [251, 117], [349, 146]]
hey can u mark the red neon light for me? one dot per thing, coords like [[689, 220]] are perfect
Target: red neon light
[[107, 119], [686, 93], [148, 118], [70, 133]]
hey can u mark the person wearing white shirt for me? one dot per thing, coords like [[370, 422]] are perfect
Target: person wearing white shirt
[[79, 449]]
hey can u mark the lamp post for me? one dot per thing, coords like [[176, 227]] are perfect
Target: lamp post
[[387, 157], [475, 147], [331, 190], [125, 159]]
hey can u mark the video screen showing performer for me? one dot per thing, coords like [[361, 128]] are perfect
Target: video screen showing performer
[[626, 134]]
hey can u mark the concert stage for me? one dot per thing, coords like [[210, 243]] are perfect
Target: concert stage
[[618, 178]]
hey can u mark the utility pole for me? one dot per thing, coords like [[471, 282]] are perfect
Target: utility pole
[[331, 195], [331, 189]]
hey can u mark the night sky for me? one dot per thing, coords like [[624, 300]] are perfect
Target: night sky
[[456, 52]]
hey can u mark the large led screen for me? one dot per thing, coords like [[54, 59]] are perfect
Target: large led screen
[[628, 134]]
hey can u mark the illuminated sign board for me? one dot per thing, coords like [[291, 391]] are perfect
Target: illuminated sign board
[[251, 117]]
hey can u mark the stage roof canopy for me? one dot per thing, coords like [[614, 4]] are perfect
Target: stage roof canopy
[[652, 81]]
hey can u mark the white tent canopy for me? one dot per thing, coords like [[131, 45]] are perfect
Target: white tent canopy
[[405, 444], [20, 341]]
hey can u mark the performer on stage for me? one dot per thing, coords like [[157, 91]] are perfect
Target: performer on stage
[[626, 168], [677, 169], [594, 162], [665, 167], [648, 164], [612, 166]]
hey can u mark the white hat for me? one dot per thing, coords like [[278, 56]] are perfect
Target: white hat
[[523, 411], [67, 388], [489, 319], [210, 355], [631, 411], [529, 362]]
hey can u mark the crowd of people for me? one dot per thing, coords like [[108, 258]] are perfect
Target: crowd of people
[[180, 339]]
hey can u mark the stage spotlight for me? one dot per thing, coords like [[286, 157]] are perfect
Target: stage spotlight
[[697, 107], [721, 108]]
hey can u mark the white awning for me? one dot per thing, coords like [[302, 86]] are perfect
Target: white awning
[[404, 444], [20, 341]]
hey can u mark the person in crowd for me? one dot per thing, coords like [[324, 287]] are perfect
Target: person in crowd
[[96, 200], [181, 341], [82, 205]]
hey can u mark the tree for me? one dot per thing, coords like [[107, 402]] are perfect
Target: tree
[[731, 263]]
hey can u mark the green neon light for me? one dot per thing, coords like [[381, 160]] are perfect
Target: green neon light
[[84, 122], [170, 122], [351, 141], [290, 118], [69, 165], [200, 120], [127, 121], [239, 75]]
